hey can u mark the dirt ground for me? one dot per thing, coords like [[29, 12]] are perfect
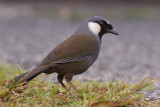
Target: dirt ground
[[26, 39]]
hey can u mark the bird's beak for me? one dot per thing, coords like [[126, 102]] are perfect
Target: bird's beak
[[112, 31]]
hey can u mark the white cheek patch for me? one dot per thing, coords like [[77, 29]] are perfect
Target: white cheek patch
[[94, 27]]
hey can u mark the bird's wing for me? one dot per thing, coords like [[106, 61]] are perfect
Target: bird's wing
[[73, 49], [72, 59]]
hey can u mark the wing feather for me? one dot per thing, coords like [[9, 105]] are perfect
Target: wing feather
[[73, 49]]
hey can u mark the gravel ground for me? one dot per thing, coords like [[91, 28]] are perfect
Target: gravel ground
[[26, 40]]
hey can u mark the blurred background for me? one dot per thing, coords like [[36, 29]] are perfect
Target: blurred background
[[29, 30]]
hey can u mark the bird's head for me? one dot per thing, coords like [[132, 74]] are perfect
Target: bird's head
[[100, 26]]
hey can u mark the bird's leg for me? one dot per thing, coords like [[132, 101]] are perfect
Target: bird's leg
[[70, 83], [68, 78], [60, 80]]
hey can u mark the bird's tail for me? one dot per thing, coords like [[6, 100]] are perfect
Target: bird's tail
[[27, 76]]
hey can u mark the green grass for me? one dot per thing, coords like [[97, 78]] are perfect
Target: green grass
[[93, 94]]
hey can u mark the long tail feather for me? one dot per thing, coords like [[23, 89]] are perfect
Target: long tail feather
[[27, 76]]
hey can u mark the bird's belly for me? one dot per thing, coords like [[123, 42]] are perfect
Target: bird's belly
[[77, 67]]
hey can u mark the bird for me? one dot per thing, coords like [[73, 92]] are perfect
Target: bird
[[74, 55]]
